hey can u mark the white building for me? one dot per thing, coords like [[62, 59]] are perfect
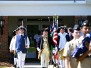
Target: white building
[[45, 7]]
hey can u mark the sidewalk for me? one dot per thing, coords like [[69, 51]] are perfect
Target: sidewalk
[[35, 65]]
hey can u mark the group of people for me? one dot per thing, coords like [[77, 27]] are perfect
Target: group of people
[[77, 51], [73, 48], [19, 45]]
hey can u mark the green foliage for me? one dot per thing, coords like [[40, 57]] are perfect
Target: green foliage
[[31, 49], [32, 43]]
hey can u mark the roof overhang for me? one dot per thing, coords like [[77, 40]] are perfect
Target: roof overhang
[[41, 8]]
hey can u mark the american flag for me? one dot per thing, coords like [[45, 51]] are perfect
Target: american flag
[[55, 34]]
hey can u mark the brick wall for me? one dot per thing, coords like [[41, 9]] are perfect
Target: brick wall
[[4, 51]]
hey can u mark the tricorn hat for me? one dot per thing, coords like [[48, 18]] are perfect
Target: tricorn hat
[[85, 23], [16, 30], [45, 29], [76, 27], [21, 27]]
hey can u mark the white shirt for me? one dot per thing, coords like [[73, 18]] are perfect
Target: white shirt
[[28, 42], [62, 40], [12, 43]]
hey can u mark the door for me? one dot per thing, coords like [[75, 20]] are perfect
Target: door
[[31, 31]]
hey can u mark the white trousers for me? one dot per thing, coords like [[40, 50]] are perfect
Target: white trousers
[[62, 64], [15, 61], [44, 63], [21, 59]]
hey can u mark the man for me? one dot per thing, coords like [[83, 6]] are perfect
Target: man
[[22, 44], [84, 60], [62, 39], [43, 49], [70, 47], [12, 46], [70, 30]]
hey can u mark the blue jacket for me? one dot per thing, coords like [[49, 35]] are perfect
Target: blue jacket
[[20, 43]]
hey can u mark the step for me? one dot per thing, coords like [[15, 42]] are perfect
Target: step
[[36, 66]]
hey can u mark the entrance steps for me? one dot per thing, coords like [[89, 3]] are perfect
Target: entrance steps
[[36, 66]]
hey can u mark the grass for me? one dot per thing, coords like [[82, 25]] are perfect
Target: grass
[[31, 49]]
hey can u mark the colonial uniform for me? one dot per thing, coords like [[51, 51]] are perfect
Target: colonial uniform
[[12, 47], [70, 47], [22, 43], [62, 42], [12, 44], [68, 50], [44, 49], [44, 52], [82, 48], [86, 63]]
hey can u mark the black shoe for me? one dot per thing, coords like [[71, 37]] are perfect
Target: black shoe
[[55, 65], [15, 66]]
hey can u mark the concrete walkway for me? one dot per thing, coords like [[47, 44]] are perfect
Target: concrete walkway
[[35, 65], [32, 65]]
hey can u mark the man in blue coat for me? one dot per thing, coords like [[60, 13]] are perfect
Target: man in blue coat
[[21, 46]]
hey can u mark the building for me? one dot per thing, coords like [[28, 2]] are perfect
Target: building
[[35, 15]]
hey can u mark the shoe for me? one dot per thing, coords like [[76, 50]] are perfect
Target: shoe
[[15, 66]]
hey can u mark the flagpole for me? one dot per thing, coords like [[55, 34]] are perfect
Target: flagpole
[[49, 19], [53, 20], [50, 44], [22, 22], [57, 22]]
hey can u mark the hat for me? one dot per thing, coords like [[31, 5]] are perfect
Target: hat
[[85, 23], [15, 30], [62, 27], [21, 27], [76, 27], [45, 29]]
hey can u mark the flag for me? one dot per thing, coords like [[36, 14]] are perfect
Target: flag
[[54, 37], [82, 48], [55, 34], [53, 30]]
